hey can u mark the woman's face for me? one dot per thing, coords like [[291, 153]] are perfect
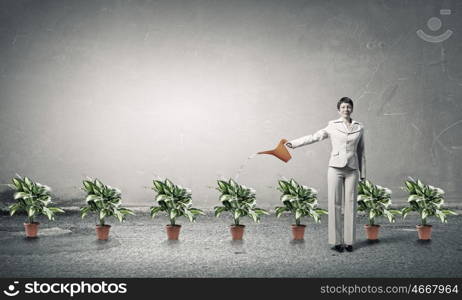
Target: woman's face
[[345, 110]]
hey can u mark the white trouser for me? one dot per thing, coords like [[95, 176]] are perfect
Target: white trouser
[[342, 189]]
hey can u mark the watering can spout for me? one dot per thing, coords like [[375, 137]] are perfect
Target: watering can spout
[[266, 152], [280, 151]]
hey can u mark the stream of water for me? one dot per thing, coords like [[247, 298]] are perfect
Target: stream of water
[[241, 168]]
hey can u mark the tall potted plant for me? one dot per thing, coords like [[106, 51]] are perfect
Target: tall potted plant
[[375, 200], [240, 201], [428, 201], [301, 201], [34, 199], [175, 201], [105, 201]]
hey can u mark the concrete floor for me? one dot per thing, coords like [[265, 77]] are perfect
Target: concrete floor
[[138, 248]]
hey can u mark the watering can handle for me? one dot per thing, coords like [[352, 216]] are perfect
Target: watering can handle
[[285, 143]]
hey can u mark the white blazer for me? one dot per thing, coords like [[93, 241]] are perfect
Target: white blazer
[[347, 146]]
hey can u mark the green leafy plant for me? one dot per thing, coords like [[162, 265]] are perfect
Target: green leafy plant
[[103, 200], [299, 200], [33, 198], [174, 200], [375, 201], [239, 200], [425, 199]]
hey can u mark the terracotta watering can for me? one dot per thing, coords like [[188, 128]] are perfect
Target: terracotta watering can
[[280, 151]]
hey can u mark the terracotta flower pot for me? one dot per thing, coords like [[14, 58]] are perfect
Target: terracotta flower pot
[[31, 229], [102, 232], [173, 231], [298, 231], [372, 232], [424, 232], [237, 232]]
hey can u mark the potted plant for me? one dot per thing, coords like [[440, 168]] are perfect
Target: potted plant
[[240, 201], [104, 201], [34, 199], [175, 201], [301, 201], [375, 200], [428, 201]]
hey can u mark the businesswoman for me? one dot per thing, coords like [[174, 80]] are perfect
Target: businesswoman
[[347, 164]]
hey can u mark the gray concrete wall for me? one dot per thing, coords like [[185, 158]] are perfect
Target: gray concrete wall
[[129, 90]]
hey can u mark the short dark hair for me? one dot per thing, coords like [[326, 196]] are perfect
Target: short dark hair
[[344, 100]]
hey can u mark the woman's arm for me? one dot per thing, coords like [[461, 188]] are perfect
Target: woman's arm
[[309, 139], [361, 157]]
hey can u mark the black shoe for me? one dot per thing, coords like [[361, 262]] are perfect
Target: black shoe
[[349, 248], [338, 248]]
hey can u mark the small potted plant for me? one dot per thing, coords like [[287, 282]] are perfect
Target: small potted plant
[[240, 201], [104, 201], [175, 201], [34, 199], [374, 201], [301, 201], [428, 201]]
